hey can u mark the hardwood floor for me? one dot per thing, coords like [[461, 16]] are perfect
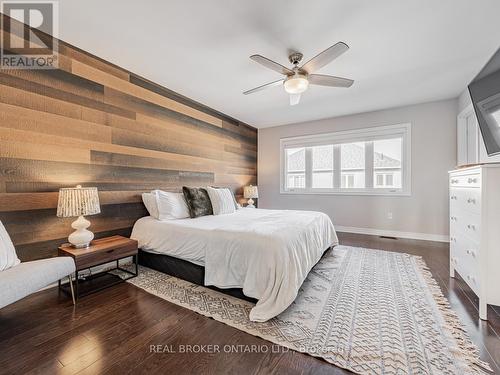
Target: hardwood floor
[[110, 332]]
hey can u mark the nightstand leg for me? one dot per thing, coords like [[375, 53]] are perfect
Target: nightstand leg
[[76, 285], [72, 291], [136, 260]]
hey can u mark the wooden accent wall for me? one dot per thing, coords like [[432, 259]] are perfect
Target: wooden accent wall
[[95, 124]]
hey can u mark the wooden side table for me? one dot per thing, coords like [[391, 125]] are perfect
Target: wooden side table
[[101, 251]]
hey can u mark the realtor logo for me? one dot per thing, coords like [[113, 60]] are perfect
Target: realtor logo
[[33, 47]]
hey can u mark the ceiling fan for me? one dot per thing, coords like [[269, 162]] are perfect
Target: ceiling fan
[[298, 78]]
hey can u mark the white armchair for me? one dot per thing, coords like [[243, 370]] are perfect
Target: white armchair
[[18, 280]]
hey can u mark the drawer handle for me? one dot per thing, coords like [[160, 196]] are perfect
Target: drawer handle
[[471, 252], [454, 197], [472, 180], [453, 239], [471, 226], [110, 251], [471, 200], [453, 218], [454, 181]]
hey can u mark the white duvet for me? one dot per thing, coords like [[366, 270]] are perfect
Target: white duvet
[[267, 253]]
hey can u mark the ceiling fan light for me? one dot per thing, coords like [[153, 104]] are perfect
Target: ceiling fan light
[[296, 85]]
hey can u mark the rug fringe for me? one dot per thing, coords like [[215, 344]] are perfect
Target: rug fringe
[[465, 348]]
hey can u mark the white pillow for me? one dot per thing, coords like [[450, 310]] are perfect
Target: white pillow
[[171, 206], [8, 256], [237, 206], [222, 201], [149, 200]]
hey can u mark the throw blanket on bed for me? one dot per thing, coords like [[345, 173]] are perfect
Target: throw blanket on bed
[[268, 253]]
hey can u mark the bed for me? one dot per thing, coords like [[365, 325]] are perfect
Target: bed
[[265, 253]]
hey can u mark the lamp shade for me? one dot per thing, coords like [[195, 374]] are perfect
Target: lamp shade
[[250, 192], [78, 201]]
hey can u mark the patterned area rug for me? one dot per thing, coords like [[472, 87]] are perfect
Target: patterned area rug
[[368, 311]]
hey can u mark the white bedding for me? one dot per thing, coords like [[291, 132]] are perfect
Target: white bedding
[[267, 253]]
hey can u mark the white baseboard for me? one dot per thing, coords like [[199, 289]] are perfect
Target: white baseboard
[[393, 233]]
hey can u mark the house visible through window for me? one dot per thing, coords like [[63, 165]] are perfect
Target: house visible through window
[[353, 165], [387, 163], [322, 166], [384, 180], [367, 161], [296, 168], [348, 180]]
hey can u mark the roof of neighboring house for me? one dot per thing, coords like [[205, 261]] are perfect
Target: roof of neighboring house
[[353, 158]]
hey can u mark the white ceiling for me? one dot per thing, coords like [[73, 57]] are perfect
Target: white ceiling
[[402, 52]]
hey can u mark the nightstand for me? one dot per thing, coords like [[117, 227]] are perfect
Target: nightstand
[[101, 251]]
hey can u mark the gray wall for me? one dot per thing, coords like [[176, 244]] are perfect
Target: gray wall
[[464, 101], [433, 155]]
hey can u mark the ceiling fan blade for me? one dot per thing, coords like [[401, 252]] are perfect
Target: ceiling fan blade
[[271, 84], [325, 57], [270, 64], [294, 99], [332, 81]]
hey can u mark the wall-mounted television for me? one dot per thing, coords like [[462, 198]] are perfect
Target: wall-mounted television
[[485, 94]]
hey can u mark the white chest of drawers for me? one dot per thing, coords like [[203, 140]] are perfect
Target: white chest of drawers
[[475, 231]]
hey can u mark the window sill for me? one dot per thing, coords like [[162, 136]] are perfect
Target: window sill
[[381, 192]]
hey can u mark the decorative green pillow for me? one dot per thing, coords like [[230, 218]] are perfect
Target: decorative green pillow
[[198, 201]]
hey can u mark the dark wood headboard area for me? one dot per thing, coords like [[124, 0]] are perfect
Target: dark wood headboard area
[[92, 123]]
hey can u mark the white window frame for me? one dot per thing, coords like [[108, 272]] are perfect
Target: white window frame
[[402, 131]]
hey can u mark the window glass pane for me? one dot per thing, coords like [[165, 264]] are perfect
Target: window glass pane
[[380, 179], [322, 180], [296, 159], [322, 158], [389, 178], [387, 162], [296, 180], [352, 162], [296, 168], [350, 180], [322, 167]]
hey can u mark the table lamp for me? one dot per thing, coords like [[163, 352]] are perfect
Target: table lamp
[[250, 192], [79, 202]]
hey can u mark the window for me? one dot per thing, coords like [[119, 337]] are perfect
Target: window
[[384, 180], [387, 163], [296, 168], [352, 156], [347, 180], [367, 161], [322, 166]]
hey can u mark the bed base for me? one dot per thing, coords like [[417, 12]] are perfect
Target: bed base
[[188, 271], [185, 270]]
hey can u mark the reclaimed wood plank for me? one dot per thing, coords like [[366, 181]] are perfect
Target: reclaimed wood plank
[[15, 117], [45, 200], [21, 170]]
